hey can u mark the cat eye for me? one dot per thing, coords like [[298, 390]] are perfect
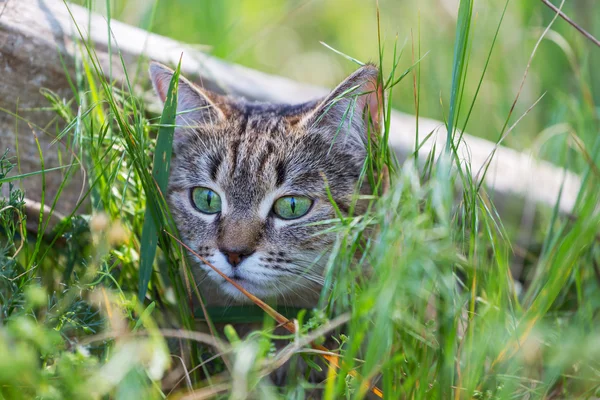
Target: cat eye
[[206, 200], [292, 207]]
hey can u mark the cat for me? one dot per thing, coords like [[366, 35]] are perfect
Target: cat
[[249, 181]]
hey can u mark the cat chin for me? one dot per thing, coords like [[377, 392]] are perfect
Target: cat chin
[[291, 298], [240, 298]]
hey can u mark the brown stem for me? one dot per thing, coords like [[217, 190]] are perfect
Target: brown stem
[[572, 23]]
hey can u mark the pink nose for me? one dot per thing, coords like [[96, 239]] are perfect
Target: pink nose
[[235, 257]]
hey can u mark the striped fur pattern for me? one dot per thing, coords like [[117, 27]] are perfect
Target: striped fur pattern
[[251, 154]]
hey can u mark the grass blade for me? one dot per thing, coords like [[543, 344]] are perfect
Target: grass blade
[[160, 173], [29, 174], [460, 50]]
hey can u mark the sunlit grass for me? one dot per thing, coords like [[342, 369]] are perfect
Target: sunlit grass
[[423, 280]]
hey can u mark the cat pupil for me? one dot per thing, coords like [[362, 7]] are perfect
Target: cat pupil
[[208, 197], [293, 205]]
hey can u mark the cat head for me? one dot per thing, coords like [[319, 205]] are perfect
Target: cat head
[[251, 181]]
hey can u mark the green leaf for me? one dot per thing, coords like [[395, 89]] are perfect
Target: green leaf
[[145, 314], [28, 174], [160, 174], [463, 27]]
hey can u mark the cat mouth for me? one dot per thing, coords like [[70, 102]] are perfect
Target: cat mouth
[[238, 278], [245, 282]]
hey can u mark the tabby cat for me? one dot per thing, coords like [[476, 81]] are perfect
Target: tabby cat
[[249, 180]]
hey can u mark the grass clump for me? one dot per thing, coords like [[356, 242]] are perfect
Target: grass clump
[[422, 298]]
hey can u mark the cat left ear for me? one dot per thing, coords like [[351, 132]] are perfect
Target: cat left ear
[[345, 113], [194, 105]]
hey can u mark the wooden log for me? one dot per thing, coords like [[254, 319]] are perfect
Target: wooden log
[[34, 33]]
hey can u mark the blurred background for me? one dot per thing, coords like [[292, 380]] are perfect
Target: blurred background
[[283, 37]]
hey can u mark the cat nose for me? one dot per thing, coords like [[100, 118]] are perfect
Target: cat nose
[[236, 256]]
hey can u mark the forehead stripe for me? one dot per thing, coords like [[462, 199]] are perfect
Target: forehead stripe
[[236, 142], [280, 169], [214, 164], [234, 155]]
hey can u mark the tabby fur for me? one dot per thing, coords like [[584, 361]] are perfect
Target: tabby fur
[[251, 154]]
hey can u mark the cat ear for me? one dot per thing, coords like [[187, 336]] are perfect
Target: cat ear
[[344, 114], [194, 105]]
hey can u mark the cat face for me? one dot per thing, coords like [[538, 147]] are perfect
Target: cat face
[[249, 184]]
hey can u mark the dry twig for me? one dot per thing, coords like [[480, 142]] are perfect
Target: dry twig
[[572, 23]]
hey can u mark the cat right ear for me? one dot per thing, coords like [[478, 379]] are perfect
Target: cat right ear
[[344, 116], [194, 105]]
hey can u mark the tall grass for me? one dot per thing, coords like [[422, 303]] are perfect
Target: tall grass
[[423, 280]]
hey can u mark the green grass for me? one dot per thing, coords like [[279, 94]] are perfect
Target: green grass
[[423, 278]]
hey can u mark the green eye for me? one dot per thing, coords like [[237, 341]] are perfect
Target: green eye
[[206, 201], [292, 207]]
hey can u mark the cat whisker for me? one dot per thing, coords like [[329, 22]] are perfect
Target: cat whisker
[[316, 279], [276, 287], [292, 289], [295, 270], [306, 265], [312, 279], [298, 282], [206, 276], [305, 274]]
